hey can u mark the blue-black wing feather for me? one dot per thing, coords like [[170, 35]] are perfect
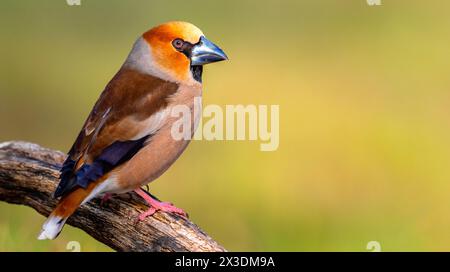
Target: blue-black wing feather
[[112, 156]]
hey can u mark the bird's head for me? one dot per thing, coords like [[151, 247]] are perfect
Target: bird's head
[[175, 51]]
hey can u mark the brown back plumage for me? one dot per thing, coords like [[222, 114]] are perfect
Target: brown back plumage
[[130, 98]]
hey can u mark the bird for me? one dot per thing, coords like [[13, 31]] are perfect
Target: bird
[[125, 142]]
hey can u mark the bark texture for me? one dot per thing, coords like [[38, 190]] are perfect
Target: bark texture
[[29, 175]]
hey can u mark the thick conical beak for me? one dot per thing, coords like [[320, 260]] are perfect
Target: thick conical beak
[[205, 52]]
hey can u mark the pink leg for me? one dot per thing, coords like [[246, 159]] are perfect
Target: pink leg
[[157, 206], [105, 198]]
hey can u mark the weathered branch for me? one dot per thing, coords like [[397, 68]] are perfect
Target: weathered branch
[[29, 175]]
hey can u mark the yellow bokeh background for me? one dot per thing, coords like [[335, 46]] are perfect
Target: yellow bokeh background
[[364, 101]]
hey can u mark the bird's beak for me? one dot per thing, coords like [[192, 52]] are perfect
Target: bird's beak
[[205, 52]]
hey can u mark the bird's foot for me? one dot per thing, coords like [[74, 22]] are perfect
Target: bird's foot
[[156, 205], [162, 206], [105, 199]]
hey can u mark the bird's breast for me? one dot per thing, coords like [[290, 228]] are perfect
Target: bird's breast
[[162, 149]]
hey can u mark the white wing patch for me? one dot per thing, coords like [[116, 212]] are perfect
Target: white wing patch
[[152, 124]]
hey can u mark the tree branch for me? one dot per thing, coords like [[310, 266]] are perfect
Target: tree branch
[[29, 175]]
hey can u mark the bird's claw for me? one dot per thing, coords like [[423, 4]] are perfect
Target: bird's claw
[[156, 205], [105, 199], [164, 207], [144, 215]]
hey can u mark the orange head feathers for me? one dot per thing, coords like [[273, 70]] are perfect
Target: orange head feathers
[[174, 51]]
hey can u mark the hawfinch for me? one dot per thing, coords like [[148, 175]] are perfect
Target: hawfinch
[[126, 141]]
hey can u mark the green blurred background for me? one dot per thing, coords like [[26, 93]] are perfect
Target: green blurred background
[[364, 116]]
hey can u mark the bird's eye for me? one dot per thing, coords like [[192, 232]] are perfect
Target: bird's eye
[[178, 43]]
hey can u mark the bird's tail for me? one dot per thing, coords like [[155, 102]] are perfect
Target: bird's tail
[[65, 208]]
